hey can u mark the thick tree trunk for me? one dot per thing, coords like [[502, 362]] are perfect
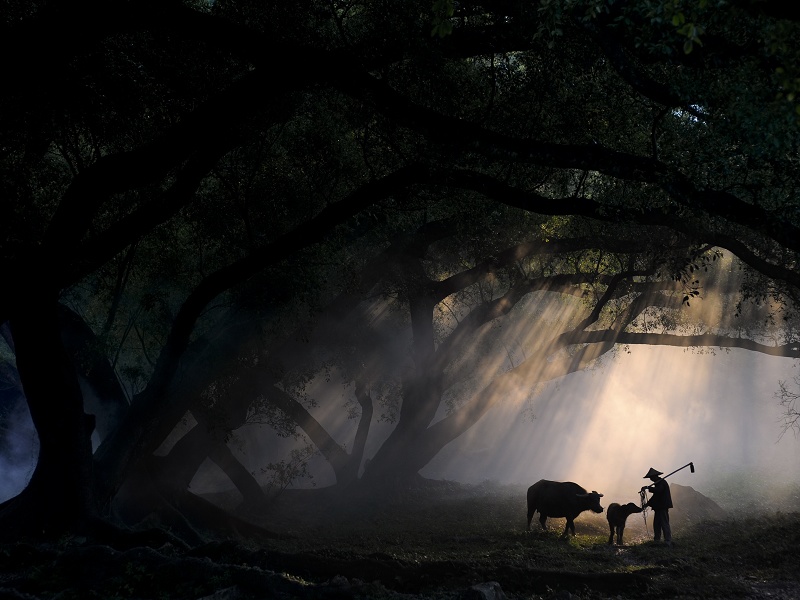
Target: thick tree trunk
[[108, 402], [396, 463], [59, 496]]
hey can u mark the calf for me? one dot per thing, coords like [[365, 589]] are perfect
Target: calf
[[617, 515]]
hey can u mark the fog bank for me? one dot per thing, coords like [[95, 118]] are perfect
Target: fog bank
[[655, 407]]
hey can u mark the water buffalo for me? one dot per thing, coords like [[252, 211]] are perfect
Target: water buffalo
[[557, 499], [617, 515]]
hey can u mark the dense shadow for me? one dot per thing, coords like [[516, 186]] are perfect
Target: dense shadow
[[435, 541]]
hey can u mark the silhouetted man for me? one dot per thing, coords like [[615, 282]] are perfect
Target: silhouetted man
[[660, 502]]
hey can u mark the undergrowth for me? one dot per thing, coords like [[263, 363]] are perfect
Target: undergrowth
[[433, 543]]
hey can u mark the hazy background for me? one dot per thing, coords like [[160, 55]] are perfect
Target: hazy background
[[603, 428], [655, 407]]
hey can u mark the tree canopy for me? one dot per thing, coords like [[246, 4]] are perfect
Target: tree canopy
[[207, 206]]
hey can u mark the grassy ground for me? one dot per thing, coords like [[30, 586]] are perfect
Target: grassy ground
[[435, 542], [470, 534]]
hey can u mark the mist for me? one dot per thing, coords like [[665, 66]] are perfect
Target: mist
[[603, 428], [19, 449], [653, 407]]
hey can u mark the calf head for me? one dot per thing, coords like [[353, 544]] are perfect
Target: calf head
[[590, 501], [631, 508]]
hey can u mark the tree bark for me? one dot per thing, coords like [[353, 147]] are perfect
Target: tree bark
[[422, 390], [59, 495], [92, 365]]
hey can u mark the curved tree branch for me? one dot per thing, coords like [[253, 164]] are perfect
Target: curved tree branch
[[114, 457], [463, 136]]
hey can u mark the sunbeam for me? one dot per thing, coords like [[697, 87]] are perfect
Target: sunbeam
[[656, 406]]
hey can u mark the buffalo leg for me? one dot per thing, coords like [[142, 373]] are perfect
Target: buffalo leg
[[530, 516], [543, 521], [620, 529], [570, 526], [611, 536]]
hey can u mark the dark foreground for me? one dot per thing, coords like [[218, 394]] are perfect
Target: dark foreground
[[444, 541]]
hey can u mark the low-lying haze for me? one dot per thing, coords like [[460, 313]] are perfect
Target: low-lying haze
[[655, 406]]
